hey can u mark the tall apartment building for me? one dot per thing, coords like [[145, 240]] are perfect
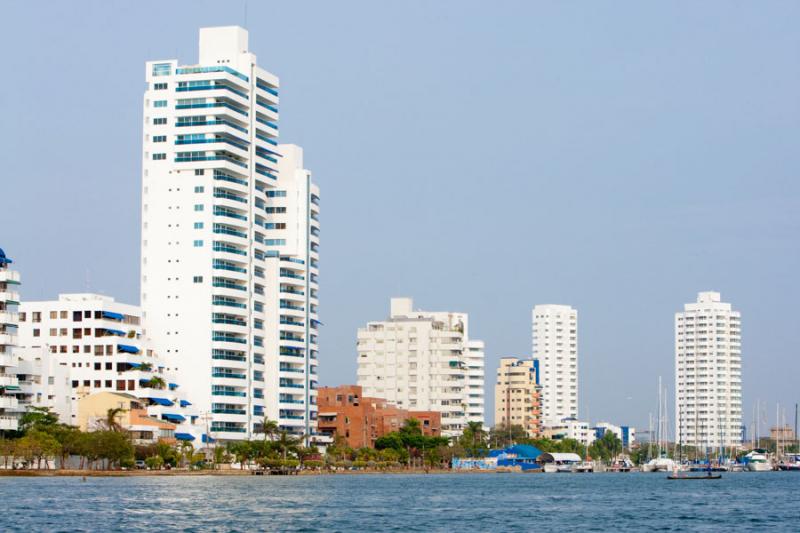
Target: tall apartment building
[[517, 401], [84, 344], [476, 381], [555, 345], [230, 241], [9, 384], [420, 360], [708, 373]]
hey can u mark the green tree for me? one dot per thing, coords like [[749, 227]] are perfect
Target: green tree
[[285, 443], [39, 418], [607, 447], [503, 435], [156, 382], [267, 427]]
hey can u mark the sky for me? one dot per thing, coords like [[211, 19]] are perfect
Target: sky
[[479, 157]]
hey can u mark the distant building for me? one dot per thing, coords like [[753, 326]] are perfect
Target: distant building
[[626, 434], [708, 373], [782, 433], [555, 345], [426, 361], [569, 428], [345, 412], [517, 398], [10, 408]]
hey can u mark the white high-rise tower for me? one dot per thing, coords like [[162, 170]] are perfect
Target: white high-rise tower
[[230, 238], [555, 345], [708, 373]]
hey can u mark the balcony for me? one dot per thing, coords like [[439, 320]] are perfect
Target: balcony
[[8, 423], [9, 297]]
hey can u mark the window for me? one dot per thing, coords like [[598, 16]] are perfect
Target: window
[[275, 209], [160, 103], [22, 317], [64, 315], [197, 279], [162, 69], [199, 171], [276, 194], [275, 242], [198, 243], [198, 225], [159, 86], [199, 188], [53, 315], [198, 207], [160, 121], [159, 138], [159, 157], [36, 332]]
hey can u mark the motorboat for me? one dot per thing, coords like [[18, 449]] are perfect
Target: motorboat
[[757, 461], [790, 463]]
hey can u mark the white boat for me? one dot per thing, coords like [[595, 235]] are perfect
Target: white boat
[[660, 464], [756, 461]]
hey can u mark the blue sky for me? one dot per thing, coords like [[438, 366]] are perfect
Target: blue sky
[[618, 157]]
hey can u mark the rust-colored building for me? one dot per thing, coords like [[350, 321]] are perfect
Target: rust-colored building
[[343, 411]]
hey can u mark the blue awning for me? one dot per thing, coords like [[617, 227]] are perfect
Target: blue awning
[[173, 385], [173, 417], [185, 403], [116, 332], [115, 316], [162, 401], [184, 436], [127, 348], [206, 438], [137, 365]]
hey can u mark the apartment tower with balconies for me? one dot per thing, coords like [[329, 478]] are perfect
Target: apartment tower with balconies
[[555, 345], [708, 373], [230, 241], [424, 361]]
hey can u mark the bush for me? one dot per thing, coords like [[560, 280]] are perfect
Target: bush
[[313, 464], [154, 463]]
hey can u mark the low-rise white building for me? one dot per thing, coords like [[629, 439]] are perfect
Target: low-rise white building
[[626, 434], [83, 344], [424, 361], [570, 428]]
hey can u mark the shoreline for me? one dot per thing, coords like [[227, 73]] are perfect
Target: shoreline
[[226, 472]]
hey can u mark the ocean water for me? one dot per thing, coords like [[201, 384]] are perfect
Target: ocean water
[[435, 502]]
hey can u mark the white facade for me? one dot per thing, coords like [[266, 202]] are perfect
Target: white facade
[[555, 345], [82, 344], [10, 394], [230, 238], [570, 428], [708, 373], [421, 361], [626, 434]]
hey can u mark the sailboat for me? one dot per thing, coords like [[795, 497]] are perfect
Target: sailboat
[[662, 462]]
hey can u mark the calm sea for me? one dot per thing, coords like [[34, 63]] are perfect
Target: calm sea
[[453, 503]]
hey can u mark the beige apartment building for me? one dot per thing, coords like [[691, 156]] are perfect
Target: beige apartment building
[[517, 395]]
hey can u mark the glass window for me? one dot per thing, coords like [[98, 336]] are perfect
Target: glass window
[[159, 86], [198, 243], [160, 121], [160, 103], [159, 138], [198, 225], [198, 207], [162, 69], [199, 188], [159, 157]]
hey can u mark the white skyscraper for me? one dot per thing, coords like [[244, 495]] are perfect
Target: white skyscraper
[[10, 408], [230, 238], [555, 345], [708, 373], [424, 361]]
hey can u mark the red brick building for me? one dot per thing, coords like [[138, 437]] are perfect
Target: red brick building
[[343, 411]]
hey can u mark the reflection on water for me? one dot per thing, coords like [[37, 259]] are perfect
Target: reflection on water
[[458, 502]]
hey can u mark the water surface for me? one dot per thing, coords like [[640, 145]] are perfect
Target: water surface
[[447, 502]]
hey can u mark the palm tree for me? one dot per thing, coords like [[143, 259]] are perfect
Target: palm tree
[[156, 383], [268, 427], [111, 419], [145, 367], [285, 443]]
